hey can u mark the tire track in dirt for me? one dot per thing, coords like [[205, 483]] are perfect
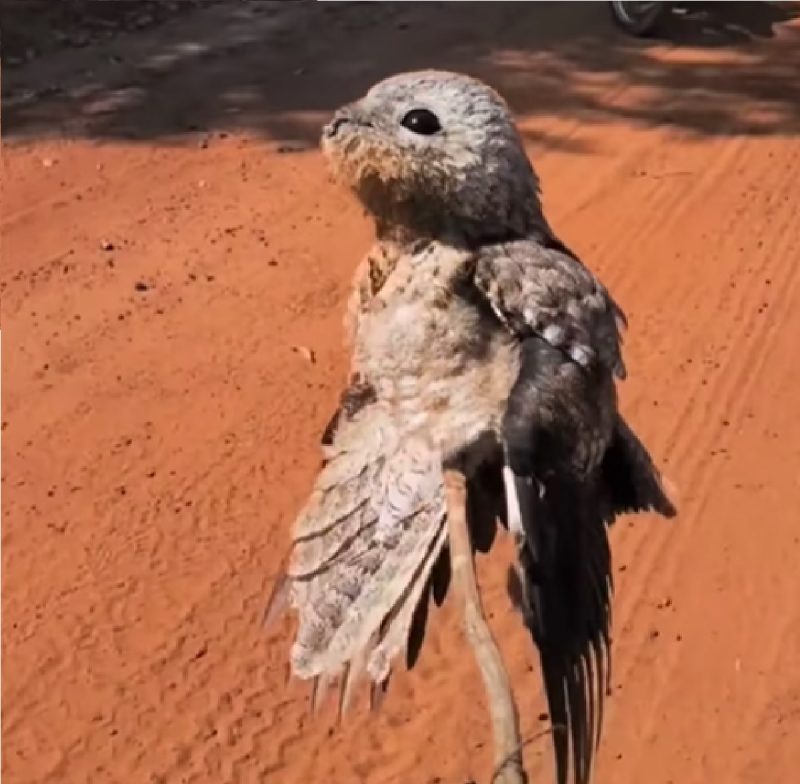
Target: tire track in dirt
[[673, 301], [696, 430], [734, 387], [743, 385]]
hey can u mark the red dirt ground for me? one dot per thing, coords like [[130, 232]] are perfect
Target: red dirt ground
[[171, 239]]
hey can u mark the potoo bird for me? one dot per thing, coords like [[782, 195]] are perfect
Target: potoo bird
[[479, 340]]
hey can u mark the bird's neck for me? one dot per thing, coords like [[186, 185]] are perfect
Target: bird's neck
[[407, 227]]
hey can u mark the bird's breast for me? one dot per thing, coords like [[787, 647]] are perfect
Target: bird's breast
[[437, 358]]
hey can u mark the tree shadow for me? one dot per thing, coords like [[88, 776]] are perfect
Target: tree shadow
[[278, 69]]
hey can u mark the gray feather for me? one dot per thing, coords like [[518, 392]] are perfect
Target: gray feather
[[545, 291], [361, 545]]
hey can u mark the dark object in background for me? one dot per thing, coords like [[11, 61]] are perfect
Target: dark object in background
[[639, 19], [702, 23]]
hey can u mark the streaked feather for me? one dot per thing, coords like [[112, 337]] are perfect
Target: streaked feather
[[363, 543], [395, 636]]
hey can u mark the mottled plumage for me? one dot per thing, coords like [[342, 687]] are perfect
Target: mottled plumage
[[478, 341]]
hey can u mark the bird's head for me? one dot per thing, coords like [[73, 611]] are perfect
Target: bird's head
[[433, 152]]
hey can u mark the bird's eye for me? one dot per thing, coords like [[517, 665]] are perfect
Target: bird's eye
[[421, 121]]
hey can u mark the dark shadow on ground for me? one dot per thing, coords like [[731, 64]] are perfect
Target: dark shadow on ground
[[278, 68]]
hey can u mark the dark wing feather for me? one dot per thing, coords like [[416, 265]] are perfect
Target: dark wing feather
[[565, 571], [634, 483], [575, 465]]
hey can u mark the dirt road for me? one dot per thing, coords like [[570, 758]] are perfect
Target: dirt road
[[175, 265]]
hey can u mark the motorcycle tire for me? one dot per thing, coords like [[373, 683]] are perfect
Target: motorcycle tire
[[639, 19]]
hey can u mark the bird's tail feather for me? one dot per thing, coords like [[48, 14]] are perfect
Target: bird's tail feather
[[565, 585]]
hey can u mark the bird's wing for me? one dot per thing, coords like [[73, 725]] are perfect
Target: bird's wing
[[363, 549], [564, 590], [536, 287], [555, 431], [557, 426]]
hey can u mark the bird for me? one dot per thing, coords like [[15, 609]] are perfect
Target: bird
[[479, 342]]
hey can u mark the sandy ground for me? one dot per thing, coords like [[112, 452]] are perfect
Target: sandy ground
[[173, 251]]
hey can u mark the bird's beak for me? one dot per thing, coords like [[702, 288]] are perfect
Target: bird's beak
[[342, 117], [347, 115], [332, 128]]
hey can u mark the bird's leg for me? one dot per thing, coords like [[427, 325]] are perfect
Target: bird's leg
[[505, 725]]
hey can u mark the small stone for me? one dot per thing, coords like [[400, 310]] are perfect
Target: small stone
[[140, 285], [48, 162], [305, 352], [106, 245]]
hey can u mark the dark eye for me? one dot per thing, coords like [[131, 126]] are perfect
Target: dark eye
[[421, 121]]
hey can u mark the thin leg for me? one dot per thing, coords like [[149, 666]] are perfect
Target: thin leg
[[505, 725]]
